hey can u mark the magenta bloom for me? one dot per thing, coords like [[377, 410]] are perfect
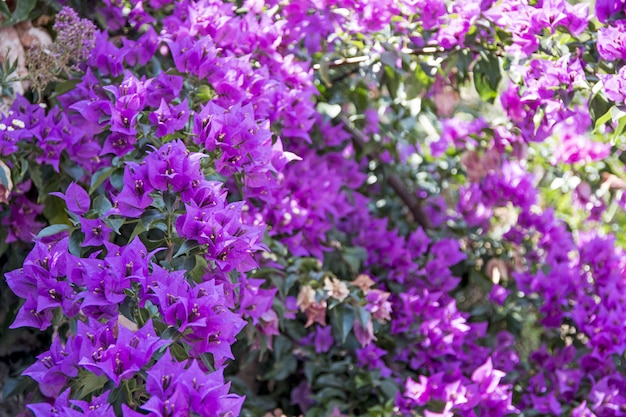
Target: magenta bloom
[[178, 389], [607, 8], [76, 199], [168, 119], [612, 41], [130, 352]]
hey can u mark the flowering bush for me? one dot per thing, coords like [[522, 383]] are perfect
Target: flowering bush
[[338, 208]]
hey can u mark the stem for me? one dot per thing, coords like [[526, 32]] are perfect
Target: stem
[[168, 239], [129, 394], [426, 50], [411, 201]]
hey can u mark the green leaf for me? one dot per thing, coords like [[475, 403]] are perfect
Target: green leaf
[[150, 216], [90, 382], [4, 9], [15, 386], [54, 211], [487, 76], [139, 229], [189, 263], [619, 130], [324, 66], [65, 86], [281, 369], [310, 368], [328, 393], [354, 257], [363, 315], [58, 316], [186, 247], [23, 167], [343, 319], [602, 120], [101, 205], [151, 309], [415, 82], [37, 178], [205, 93], [389, 388], [391, 80], [115, 224], [178, 352], [169, 198], [117, 178], [22, 10], [74, 245], [200, 269], [598, 108], [53, 230], [99, 177], [4, 178], [329, 380]]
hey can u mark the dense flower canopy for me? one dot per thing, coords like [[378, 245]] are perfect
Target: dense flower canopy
[[327, 208]]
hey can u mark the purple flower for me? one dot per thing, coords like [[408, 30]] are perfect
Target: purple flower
[[119, 144], [222, 325], [27, 316], [139, 17], [169, 119], [612, 41], [106, 57], [560, 13], [131, 351], [76, 199], [96, 231], [498, 294], [230, 243], [74, 32], [487, 378], [323, 339], [40, 281], [582, 411], [105, 281], [21, 223], [135, 196], [98, 406], [255, 301], [364, 334], [370, 357], [46, 410], [175, 389], [418, 392], [302, 396], [174, 167], [163, 376], [130, 99], [193, 57], [378, 305], [605, 9], [163, 87]]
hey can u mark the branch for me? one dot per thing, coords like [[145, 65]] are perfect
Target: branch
[[427, 50], [410, 200]]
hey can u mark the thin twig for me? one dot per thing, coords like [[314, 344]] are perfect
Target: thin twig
[[427, 50], [398, 186], [343, 61]]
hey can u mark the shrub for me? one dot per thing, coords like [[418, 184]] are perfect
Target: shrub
[[343, 208]]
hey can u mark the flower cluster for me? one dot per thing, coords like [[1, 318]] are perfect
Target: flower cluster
[[210, 220], [74, 41]]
